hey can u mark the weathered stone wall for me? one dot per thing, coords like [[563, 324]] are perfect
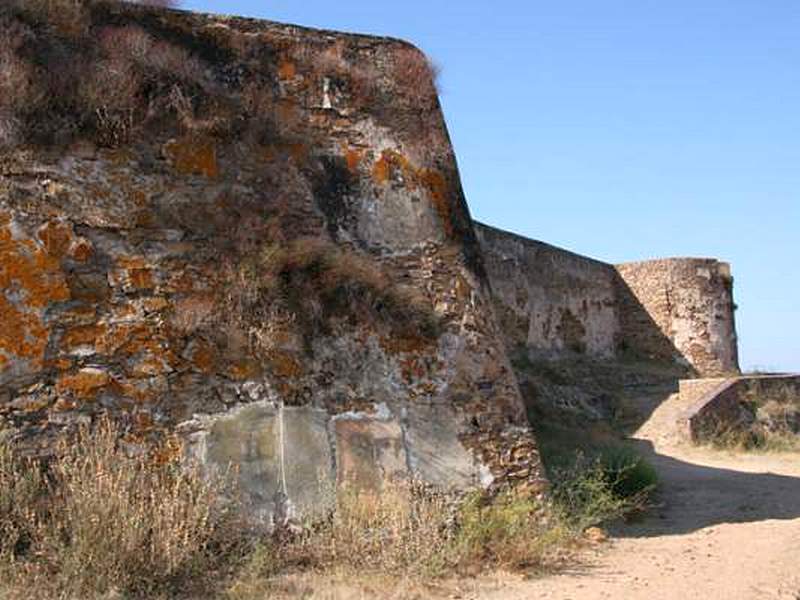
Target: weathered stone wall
[[746, 409], [301, 296], [556, 303], [690, 302], [553, 301]]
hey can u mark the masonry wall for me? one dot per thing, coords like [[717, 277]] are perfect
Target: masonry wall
[[746, 409], [552, 301], [690, 302], [555, 304], [263, 249]]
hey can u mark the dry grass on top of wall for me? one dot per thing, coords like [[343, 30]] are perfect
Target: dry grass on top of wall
[[64, 76], [768, 420]]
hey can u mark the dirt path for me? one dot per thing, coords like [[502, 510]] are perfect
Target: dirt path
[[727, 528]]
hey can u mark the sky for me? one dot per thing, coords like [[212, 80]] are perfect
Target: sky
[[621, 129]]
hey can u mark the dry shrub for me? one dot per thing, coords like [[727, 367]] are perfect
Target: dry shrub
[[136, 77], [19, 91], [111, 522], [10, 134], [416, 77], [403, 531], [68, 18], [356, 80], [21, 487], [411, 532], [155, 59], [110, 92], [767, 420], [313, 280], [510, 531], [156, 3]]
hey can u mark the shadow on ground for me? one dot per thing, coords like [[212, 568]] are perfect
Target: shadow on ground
[[694, 496]]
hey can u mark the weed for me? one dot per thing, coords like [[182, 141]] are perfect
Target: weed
[[626, 472], [311, 281], [766, 419], [510, 531], [594, 489], [103, 521]]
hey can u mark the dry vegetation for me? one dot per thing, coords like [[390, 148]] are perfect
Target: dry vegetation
[[769, 421], [96, 521], [66, 73], [310, 282], [64, 76]]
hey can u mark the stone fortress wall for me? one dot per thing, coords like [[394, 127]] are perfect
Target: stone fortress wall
[[557, 303], [285, 277], [690, 302]]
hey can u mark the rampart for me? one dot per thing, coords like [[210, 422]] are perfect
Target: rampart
[[257, 247], [557, 303]]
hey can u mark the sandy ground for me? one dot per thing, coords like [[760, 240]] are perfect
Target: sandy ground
[[727, 527]]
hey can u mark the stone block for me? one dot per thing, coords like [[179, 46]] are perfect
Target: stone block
[[307, 461], [435, 453], [247, 438], [370, 452]]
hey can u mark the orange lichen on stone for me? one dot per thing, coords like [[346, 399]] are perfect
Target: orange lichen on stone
[[404, 344], [149, 366], [81, 250], [83, 335], [353, 158], [436, 185], [243, 369], [204, 357], [137, 272], [287, 70], [141, 278], [56, 238], [283, 364], [391, 162], [30, 280], [84, 384], [155, 304], [142, 341], [433, 182], [64, 405], [193, 156]]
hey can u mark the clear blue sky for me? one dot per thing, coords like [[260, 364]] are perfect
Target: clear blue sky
[[623, 130]]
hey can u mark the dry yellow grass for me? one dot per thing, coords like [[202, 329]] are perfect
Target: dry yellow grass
[[96, 520]]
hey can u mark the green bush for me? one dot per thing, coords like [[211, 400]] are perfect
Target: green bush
[[594, 489], [626, 472]]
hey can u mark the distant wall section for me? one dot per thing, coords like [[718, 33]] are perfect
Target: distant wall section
[[553, 301], [557, 303], [687, 302]]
